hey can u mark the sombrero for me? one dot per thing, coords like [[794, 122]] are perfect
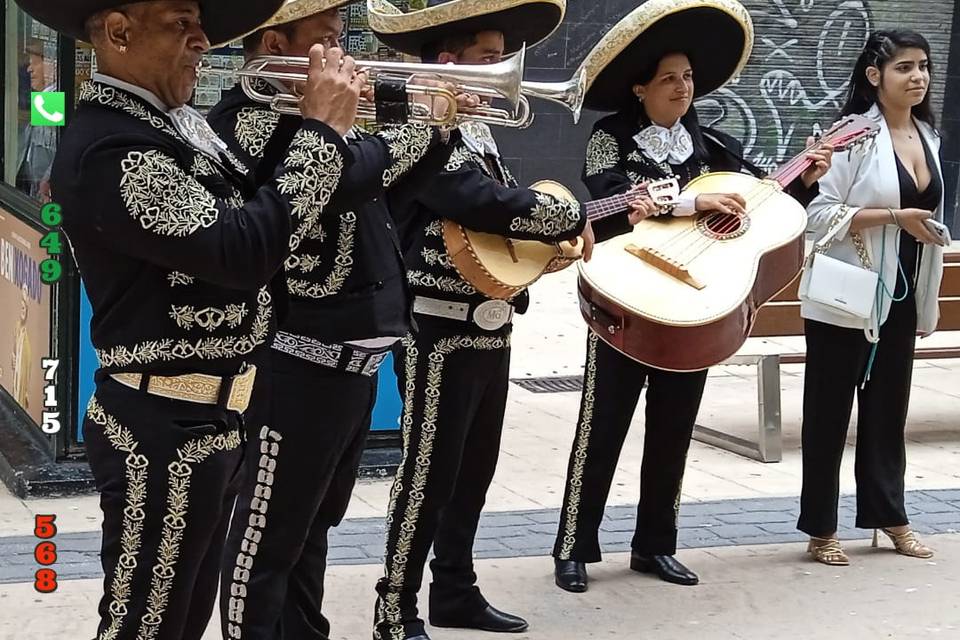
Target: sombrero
[[293, 10], [223, 20], [521, 21], [716, 34]]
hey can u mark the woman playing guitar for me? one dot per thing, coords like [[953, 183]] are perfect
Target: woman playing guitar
[[649, 69]]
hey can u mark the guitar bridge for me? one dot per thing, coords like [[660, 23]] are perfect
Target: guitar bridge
[[665, 264]]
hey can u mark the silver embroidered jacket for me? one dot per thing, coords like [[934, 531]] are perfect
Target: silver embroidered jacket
[[176, 248], [477, 191], [346, 279]]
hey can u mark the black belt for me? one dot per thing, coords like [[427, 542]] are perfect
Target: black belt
[[340, 357], [489, 315]]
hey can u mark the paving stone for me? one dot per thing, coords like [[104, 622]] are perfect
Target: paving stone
[[712, 508], [545, 517], [356, 539], [505, 520], [346, 553], [952, 517], [619, 525], [736, 531], [779, 527], [756, 517]]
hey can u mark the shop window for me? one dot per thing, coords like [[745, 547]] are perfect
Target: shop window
[[31, 54]]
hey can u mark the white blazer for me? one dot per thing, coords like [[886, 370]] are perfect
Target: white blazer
[[867, 178]]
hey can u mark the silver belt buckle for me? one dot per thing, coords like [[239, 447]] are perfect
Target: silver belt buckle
[[492, 314]]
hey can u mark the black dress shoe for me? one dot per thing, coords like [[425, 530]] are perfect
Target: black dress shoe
[[570, 575], [667, 568], [488, 619], [419, 636]]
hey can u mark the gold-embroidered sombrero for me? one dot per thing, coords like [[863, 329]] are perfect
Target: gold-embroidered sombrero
[[717, 35], [293, 10], [223, 20], [521, 21]]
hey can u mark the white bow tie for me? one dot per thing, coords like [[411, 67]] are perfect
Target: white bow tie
[[660, 143], [197, 131]]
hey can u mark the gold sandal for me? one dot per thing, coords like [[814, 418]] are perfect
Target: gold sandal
[[905, 543], [828, 551]]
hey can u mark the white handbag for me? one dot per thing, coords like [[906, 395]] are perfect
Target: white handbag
[[844, 287]]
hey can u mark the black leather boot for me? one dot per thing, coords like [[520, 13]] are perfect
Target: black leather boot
[[667, 568], [488, 619], [570, 575]]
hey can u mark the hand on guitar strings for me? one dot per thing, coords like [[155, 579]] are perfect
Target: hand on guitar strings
[[642, 206], [822, 159], [588, 241], [730, 203]]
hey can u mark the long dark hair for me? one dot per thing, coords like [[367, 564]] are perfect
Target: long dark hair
[[635, 109], [880, 49]]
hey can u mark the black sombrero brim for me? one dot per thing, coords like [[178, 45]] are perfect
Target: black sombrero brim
[[717, 35], [521, 22], [223, 20]]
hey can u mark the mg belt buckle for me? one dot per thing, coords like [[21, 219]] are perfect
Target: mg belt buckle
[[492, 314]]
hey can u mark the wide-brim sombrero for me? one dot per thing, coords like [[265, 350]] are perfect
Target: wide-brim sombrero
[[293, 10], [717, 35], [223, 20], [521, 21]]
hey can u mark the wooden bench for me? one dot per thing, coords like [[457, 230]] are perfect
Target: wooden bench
[[781, 318]]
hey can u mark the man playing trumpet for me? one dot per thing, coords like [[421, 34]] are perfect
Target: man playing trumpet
[[349, 304], [177, 249]]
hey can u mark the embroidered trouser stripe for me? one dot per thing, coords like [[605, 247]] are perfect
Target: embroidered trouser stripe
[[269, 446], [158, 536], [612, 387], [300, 473], [427, 478], [578, 460]]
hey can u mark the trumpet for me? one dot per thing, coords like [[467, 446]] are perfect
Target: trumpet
[[498, 81]]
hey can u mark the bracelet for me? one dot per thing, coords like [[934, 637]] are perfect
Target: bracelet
[[893, 215]]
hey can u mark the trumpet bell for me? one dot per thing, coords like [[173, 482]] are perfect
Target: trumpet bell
[[570, 94]]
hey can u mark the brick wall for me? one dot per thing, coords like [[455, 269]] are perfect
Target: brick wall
[[795, 80]]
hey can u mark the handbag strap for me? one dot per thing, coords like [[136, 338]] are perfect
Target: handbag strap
[[823, 245]]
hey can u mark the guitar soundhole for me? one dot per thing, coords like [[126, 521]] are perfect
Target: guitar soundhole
[[722, 226]]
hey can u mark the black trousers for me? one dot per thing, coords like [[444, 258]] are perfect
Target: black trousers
[[165, 470], [611, 389], [454, 388], [836, 362], [300, 471]]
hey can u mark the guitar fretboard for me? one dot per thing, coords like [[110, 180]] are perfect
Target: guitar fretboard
[[599, 209]]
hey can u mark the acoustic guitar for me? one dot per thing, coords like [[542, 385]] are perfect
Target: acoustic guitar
[[682, 293], [501, 267]]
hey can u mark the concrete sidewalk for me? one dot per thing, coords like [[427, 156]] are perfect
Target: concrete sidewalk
[[747, 593]]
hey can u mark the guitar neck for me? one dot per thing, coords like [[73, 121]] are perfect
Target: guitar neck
[[605, 207], [794, 167]]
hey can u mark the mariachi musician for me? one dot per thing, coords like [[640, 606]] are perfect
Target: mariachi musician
[[453, 371], [349, 304], [648, 69], [177, 249]]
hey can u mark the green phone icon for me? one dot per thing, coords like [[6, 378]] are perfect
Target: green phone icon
[[48, 109]]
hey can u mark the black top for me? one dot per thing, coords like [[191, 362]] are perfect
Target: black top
[[911, 250], [346, 279], [176, 248]]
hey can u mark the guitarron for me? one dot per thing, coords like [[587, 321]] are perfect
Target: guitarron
[[682, 293], [501, 267]]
